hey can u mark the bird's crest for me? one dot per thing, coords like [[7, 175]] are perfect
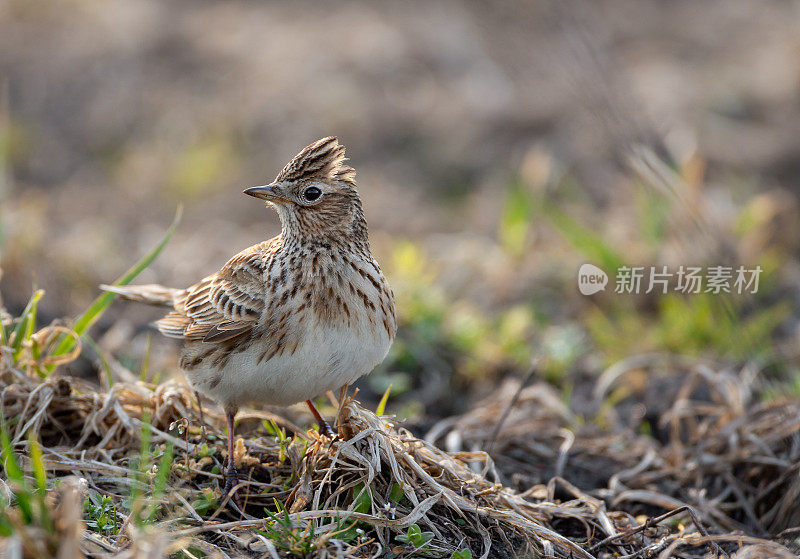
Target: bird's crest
[[324, 159]]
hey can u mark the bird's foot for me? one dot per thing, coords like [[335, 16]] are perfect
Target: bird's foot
[[231, 483], [326, 430]]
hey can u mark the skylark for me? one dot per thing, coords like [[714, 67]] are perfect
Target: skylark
[[295, 316]]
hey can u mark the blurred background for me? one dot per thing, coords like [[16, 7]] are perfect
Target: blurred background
[[498, 147]]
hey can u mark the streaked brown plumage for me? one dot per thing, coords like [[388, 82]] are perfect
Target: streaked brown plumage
[[292, 317]]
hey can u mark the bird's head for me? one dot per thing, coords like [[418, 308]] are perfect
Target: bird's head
[[315, 195]]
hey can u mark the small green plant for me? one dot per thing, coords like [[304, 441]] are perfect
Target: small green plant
[[362, 502], [101, 515], [414, 536], [203, 451], [279, 433], [206, 502], [462, 554], [286, 536]]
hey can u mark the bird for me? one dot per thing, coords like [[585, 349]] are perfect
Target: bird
[[292, 317]]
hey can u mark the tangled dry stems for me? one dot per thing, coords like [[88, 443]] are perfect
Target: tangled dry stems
[[730, 457], [727, 459]]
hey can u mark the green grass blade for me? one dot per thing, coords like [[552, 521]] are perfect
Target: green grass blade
[[145, 360], [30, 325], [138, 466], [584, 239], [40, 475], [160, 483], [37, 463], [26, 322], [382, 404], [14, 473], [96, 309], [515, 223], [10, 464]]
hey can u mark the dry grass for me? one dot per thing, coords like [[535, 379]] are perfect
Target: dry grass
[[720, 452], [362, 494]]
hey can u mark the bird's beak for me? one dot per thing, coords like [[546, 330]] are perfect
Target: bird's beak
[[266, 192]]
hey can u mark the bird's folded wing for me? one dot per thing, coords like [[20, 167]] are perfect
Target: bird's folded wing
[[222, 306]]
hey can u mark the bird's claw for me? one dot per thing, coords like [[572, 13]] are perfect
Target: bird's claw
[[231, 488], [326, 430]]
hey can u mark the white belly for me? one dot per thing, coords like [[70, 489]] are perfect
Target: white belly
[[327, 358]]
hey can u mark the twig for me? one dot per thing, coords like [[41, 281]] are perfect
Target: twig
[[97, 540], [511, 404], [651, 522]]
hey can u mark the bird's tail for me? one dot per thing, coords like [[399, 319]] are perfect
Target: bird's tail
[[149, 294]]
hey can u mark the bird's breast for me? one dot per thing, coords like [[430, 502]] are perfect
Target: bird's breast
[[319, 333], [324, 358]]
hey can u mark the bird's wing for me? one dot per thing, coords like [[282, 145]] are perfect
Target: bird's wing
[[224, 305]]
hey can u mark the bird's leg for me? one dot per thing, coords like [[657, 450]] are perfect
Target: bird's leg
[[324, 428], [202, 415], [231, 474], [340, 408], [342, 399]]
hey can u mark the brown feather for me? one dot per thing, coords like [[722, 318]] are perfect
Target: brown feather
[[227, 331], [148, 294], [173, 325], [323, 160]]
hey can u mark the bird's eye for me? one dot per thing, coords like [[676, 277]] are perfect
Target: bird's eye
[[312, 193]]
